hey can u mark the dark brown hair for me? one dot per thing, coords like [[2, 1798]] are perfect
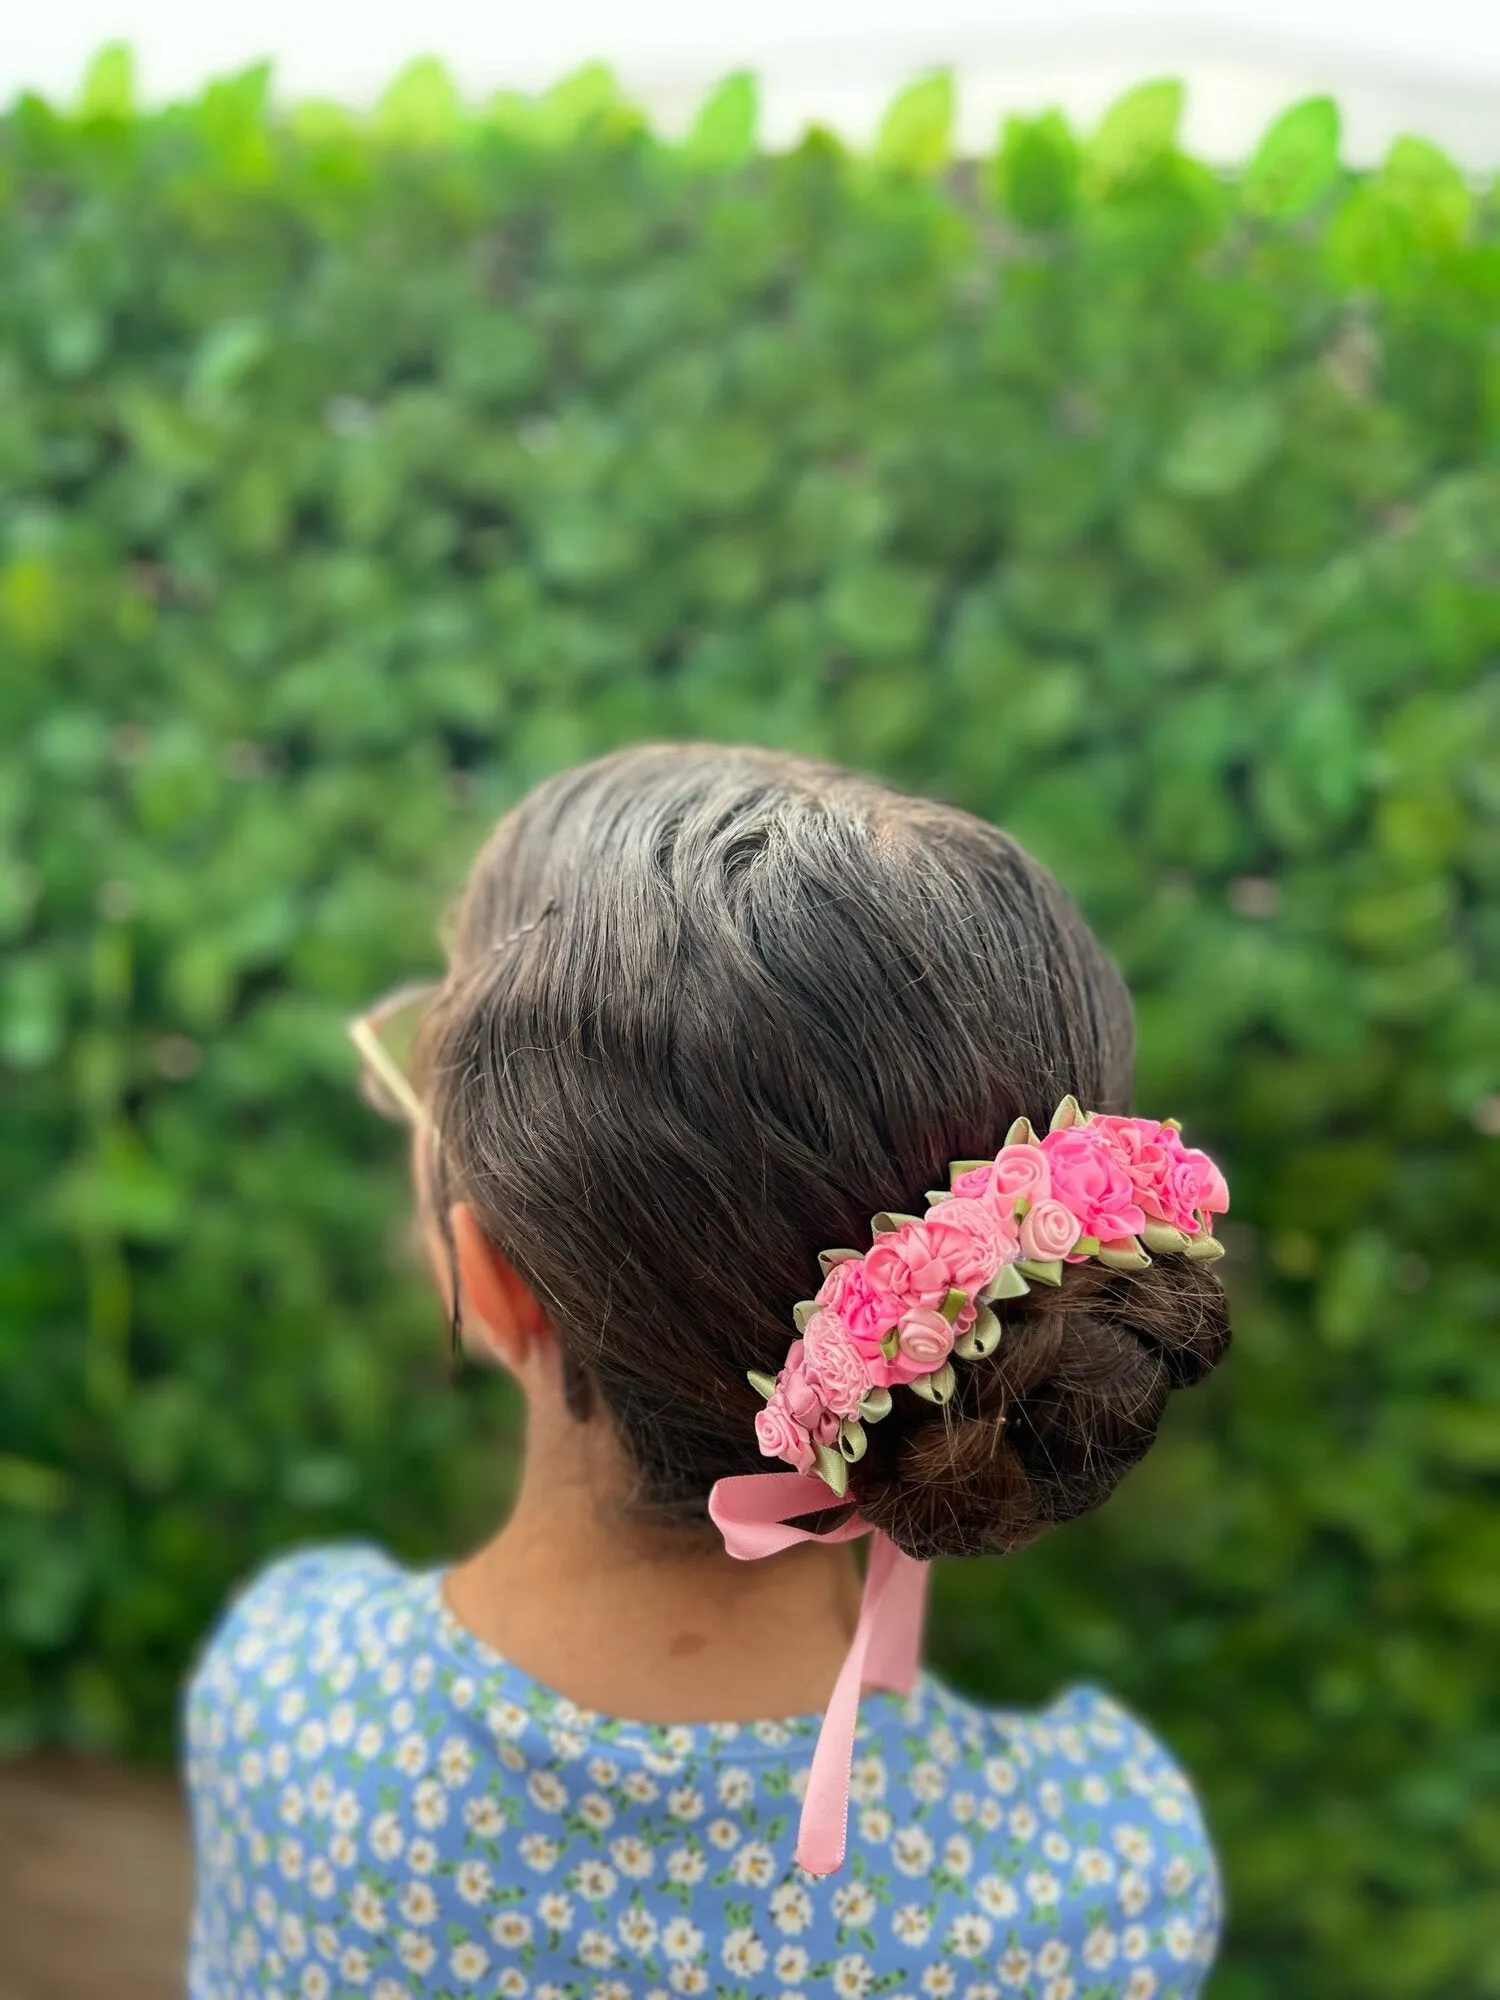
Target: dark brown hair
[[710, 1009]]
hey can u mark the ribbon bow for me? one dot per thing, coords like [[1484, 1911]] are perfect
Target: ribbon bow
[[754, 1512]]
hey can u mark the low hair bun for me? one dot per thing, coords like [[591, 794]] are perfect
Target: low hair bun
[[1045, 1429]]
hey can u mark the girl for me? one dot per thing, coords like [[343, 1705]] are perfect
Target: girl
[[707, 1012]]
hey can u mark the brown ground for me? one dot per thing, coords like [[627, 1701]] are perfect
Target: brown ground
[[93, 1882]]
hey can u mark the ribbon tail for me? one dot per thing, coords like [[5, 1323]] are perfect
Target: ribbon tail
[[888, 1637]]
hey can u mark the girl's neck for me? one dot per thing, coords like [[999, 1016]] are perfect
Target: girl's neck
[[656, 1624]]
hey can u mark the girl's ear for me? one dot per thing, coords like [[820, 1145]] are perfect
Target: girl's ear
[[495, 1295]]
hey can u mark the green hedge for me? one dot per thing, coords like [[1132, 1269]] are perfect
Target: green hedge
[[354, 474]]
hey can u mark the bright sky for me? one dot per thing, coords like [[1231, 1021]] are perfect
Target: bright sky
[[835, 60]]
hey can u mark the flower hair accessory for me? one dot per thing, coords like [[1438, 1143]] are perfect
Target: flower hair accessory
[[1119, 1190]]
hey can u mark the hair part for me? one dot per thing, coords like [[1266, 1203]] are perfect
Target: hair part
[[708, 1010]]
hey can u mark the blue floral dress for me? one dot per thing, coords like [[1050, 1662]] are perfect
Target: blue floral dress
[[384, 1807]]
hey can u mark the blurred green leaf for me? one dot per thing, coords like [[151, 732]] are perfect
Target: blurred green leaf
[[1295, 160], [916, 130]]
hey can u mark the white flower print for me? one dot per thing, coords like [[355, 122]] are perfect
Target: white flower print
[[688, 1978], [455, 1761], [1094, 1867], [911, 1850], [681, 1939], [911, 1924], [291, 1936], [603, 1771], [969, 1934], [790, 1963], [958, 1854], [512, 1928], [505, 1718], [867, 1780], [1177, 1874], [1135, 1941], [685, 1802], [311, 1739], [418, 1903], [636, 1785], [429, 1804], [1180, 1938], [416, 1951], [595, 1880], [1134, 1845], [342, 1851], [421, 1856], [632, 1857], [686, 1865], [321, 1879], [736, 1788], [468, 1961], [875, 1824], [1000, 1775], [473, 1880], [991, 1814], [853, 1976], [1133, 1891], [547, 1791], [596, 1811], [754, 1866], [996, 1897], [512, 1983], [853, 1903], [1059, 1989], [538, 1851], [1056, 1846], [637, 1929], [291, 1805], [354, 1965], [1050, 1797], [483, 1816], [722, 1833], [743, 1953], [929, 1781], [289, 1859], [1141, 1984], [555, 1910], [1052, 1958], [1023, 1823], [1099, 1948], [368, 1740], [314, 1983], [411, 1756], [939, 1980], [791, 1908], [963, 1806], [1014, 1966], [1043, 1887], [596, 1949]]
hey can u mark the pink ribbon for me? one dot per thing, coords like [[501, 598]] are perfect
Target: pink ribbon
[[754, 1513]]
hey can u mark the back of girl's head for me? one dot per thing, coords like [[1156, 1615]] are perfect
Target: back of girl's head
[[710, 1009]]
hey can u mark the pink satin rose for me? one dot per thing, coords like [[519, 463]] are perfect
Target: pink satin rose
[[1089, 1180], [906, 1265], [781, 1436], [1022, 1173], [834, 1364], [1144, 1148], [866, 1312], [926, 1341], [972, 1240], [1049, 1229], [1196, 1184], [803, 1399]]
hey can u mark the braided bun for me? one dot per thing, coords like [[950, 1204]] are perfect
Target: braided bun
[[1044, 1429]]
